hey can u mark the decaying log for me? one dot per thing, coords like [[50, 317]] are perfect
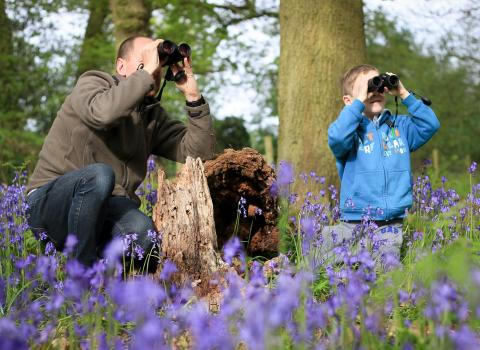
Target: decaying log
[[244, 173], [184, 216]]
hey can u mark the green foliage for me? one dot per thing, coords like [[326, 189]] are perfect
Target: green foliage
[[451, 88], [257, 140], [231, 133], [97, 51], [194, 24], [31, 85], [19, 150], [217, 48]]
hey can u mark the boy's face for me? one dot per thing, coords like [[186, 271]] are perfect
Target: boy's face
[[374, 101]]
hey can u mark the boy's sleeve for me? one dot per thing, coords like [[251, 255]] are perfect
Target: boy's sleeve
[[341, 133], [422, 124]]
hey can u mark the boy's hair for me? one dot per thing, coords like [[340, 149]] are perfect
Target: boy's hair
[[126, 46], [349, 77]]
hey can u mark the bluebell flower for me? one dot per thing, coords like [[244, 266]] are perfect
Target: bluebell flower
[[114, 250], [233, 248], [464, 338], [149, 335], [150, 164], [472, 168], [285, 173], [10, 337], [168, 269], [70, 243]]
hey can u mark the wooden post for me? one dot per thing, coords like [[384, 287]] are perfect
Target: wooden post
[[267, 141]]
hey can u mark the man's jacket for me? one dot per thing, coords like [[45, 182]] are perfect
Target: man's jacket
[[105, 120], [373, 158]]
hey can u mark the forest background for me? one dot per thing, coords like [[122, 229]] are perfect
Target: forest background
[[270, 70]]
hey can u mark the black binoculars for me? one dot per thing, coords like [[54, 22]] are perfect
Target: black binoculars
[[382, 81], [169, 53]]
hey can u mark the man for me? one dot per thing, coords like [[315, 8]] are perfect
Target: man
[[95, 154]]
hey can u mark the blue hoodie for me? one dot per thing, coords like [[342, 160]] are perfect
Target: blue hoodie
[[373, 158]]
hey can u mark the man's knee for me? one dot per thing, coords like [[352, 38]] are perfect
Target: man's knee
[[142, 225], [101, 176]]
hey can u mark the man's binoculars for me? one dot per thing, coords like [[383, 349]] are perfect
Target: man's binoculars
[[382, 81], [169, 53]]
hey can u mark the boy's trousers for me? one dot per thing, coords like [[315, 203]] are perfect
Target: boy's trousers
[[386, 240]]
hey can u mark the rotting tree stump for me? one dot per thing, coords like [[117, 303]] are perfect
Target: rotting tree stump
[[244, 173], [184, 216]]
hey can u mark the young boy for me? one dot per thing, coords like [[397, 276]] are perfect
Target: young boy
[[372, 149]]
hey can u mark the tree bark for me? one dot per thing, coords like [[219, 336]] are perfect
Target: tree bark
[[319, 41], [94, 36], [184, 217], [244, 174], [130, 18], [6, 44], [7, 68]]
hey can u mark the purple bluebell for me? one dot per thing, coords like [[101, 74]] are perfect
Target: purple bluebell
[[150, 164], [233, 248], [168, 269], [241, 208], [70, 243], [10, 337], [472, 168], [465, 338], [114, 250]]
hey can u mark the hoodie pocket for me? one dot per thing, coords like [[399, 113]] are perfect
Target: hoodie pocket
[[399, 188], [368, 190]]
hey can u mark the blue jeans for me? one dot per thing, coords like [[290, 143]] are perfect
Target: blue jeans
[[81, 203]]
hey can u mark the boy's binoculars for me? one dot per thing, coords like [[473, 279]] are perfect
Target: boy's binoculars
[[170, 53], [381, 81]]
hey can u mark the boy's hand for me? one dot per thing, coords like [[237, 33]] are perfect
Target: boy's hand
[[399, 91], [360, 88]]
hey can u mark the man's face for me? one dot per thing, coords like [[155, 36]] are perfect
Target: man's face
[[129, 65], [375, 102]]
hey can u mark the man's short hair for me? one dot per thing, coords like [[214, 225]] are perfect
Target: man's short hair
[[352, 74], [126, 46]]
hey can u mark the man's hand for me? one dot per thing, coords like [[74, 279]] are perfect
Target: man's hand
[[399, 91], [150, 56], [189, 87]]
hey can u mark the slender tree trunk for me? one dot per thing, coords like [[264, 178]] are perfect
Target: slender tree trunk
[[130, 17], [94, 36], [8, 97], [6, 45], [320, 40]]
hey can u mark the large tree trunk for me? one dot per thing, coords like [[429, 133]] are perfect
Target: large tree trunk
[[184, 216], [130, 18], [94, 38], [320, 40]]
